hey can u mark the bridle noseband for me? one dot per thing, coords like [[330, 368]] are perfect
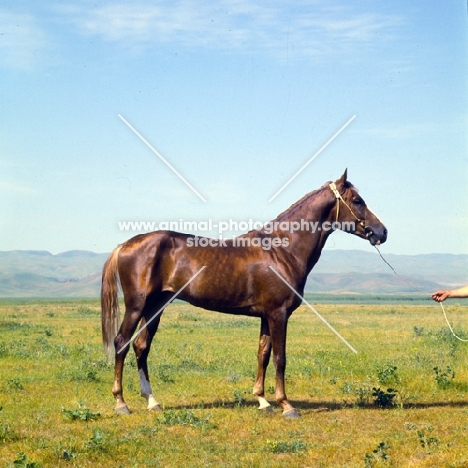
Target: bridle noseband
[[339, 198]]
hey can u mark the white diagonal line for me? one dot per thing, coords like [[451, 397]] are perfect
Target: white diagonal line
[[313, 310], [181, 177], [312, 158], [161, 309]]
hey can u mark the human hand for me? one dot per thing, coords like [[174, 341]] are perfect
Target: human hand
[[440, 296]]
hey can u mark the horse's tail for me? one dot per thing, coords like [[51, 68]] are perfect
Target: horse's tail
[[110, 312]]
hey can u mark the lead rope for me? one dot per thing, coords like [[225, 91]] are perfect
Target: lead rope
[[361, 222], [420, 290]]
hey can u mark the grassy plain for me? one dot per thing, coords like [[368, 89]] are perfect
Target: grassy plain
[[387, 406]]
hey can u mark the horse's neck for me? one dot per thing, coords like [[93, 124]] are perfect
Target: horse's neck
[[306, 244]]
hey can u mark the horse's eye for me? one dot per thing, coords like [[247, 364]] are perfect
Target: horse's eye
[[358, 201]]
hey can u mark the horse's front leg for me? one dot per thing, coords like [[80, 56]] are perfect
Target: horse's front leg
[[278, 328], [264, 352]]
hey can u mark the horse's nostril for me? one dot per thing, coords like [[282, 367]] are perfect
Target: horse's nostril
[[385, 232]]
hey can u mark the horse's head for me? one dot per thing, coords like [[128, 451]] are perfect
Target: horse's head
[[353, 214]]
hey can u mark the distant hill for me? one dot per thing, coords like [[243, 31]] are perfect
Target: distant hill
[[356, 271], [35, 273], [77, 273]]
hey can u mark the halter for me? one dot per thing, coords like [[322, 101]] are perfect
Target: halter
[[339, 198]]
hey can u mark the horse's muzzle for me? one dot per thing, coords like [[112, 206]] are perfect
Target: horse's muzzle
[[376, 236]]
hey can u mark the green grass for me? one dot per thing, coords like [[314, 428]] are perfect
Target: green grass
[[385, 406]]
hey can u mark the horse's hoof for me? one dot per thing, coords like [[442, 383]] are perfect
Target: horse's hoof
[[291, 414], [155, 408], [266, 410], [122, 410]]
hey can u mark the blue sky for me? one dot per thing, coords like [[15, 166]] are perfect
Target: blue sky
[[237, 96]]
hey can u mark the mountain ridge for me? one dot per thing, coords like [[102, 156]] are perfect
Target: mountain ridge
[[77, 273]]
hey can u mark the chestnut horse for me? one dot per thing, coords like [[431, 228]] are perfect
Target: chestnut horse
[[237, 278]]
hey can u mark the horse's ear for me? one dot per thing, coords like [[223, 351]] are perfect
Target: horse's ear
[[342, 180]]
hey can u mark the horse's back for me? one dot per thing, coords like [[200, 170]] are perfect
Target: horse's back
[[163, 261]]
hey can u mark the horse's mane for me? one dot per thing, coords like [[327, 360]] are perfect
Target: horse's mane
[[307, 197], [298, 204]]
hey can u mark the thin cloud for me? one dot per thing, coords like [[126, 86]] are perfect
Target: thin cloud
[[15, 188], [413, 130], [277, 28], [22, 40]]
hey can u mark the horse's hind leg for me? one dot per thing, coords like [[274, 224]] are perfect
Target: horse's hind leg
[[264, 353], [133, 314], [141, 346]]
